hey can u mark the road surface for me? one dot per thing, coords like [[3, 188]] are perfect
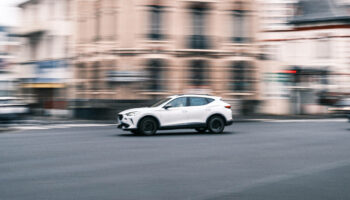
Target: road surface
[[258, 160]]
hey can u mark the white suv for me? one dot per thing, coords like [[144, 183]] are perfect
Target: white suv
[[201, 112]]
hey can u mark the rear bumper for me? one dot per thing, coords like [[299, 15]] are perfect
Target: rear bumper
[[230, 122]]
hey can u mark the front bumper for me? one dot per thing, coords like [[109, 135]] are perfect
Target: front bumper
[[125, 122]]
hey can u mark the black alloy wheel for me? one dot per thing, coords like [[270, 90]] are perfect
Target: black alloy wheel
[[148, 126], [216, 124]]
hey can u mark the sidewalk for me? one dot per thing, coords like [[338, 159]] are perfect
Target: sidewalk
[[40, 120], [237, 118], [39, 123], [260, 117]]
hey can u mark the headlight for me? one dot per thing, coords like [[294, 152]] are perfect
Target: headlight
[[130, 114]]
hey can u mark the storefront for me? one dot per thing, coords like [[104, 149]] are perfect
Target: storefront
[[46, 86]]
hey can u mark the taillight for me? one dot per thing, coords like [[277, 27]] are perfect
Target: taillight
[[229, 107]]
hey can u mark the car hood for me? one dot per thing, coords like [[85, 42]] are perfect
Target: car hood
[[144, 109]]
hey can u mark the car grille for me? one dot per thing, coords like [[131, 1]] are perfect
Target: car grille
[[120, 117]]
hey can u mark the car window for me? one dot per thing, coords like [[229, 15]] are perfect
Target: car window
[[179, 102], [160, 102], [198, 101], [210, 100]]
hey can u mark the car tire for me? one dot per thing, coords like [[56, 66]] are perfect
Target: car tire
[[216, 124], [148, 126], [201, 130]]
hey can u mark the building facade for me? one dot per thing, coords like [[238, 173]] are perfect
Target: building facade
[[274, 18], [130, 52], [308, 59], [9, 46], [47, 39]]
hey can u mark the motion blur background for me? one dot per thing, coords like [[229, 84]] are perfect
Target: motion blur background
[[89, 59]]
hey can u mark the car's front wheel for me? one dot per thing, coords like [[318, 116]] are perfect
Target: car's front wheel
[[216, 124], [148, 126]]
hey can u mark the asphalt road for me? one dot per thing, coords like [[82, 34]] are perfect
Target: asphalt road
[[255, 161]]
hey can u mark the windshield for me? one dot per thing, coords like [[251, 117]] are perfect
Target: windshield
[[160, 102]]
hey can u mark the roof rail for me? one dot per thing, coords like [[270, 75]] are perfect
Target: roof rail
[[194, 94]]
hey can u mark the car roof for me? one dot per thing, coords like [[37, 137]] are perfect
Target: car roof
[[195, 95]]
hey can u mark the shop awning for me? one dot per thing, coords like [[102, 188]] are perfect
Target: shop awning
[[43, 85]]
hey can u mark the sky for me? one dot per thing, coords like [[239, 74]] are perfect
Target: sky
[[9, 13]]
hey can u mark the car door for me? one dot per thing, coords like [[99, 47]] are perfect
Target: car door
[[197, 110], [175, 114]]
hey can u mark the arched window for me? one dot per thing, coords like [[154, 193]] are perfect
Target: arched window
[[198, 38], [155, 75], [156, 14], [199, 73], [241, 23], [242, 77]]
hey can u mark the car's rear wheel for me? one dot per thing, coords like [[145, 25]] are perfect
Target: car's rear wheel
[[148, 126], [216, 124], [201, 130]]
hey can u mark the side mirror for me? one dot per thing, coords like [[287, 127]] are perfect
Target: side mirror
[[166, 107]]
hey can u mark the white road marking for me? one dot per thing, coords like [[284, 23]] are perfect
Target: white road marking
[[305, 120], [31, 128], [88, 125], [58, 126]]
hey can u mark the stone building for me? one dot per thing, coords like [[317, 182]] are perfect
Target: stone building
[[308, 58], [46, 29], [9, 46], [130, 52]]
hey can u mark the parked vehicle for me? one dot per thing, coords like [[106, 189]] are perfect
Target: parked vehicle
[[342, 107], [200, 112], [11, 109]]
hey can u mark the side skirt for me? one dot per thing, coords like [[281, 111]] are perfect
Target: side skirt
[[184, 126]]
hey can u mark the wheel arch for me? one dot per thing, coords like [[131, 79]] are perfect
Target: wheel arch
[[216, 114], [148, 116]]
